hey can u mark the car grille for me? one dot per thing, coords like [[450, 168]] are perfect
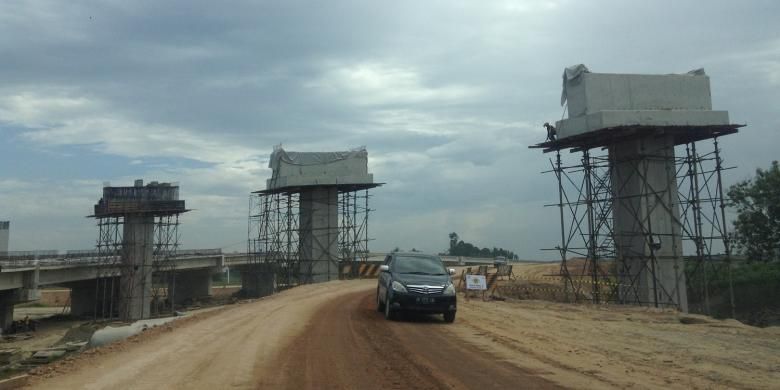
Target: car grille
[[424, 289]]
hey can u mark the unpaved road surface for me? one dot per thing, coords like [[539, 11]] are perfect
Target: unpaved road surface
[[350, 345], [330, 336], [320, 336]]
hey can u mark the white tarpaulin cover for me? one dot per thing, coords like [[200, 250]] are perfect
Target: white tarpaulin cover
[[313, 158], [570, 74]]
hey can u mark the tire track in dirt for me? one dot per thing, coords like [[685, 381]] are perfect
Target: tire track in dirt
[[349, 345]]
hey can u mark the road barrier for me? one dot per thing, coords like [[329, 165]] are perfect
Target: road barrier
[[363, 270]]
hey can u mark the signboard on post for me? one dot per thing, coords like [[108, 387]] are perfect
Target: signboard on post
[[476, 282]]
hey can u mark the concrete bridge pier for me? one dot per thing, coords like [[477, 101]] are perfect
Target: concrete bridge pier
[[257, 280], [191, 285], [647, 222], [83, 298], [9, 298], [86, 296], [136, 280], [319, 231], [7, 301], [27, 293]]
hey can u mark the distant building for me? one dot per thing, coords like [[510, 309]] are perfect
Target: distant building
[[4, 230]]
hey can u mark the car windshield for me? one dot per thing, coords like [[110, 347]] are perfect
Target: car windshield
[[422, 265]]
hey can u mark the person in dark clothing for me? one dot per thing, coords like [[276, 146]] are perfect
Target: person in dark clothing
[[550, 131]]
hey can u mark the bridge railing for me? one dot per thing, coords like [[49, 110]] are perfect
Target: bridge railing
[[31, 259]]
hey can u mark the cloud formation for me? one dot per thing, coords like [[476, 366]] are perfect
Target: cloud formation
[[446, 97]]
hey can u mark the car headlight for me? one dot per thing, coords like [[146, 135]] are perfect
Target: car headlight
[[449, 290], [398, 287]]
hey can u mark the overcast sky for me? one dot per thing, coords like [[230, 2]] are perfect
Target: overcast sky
[[446, 96]]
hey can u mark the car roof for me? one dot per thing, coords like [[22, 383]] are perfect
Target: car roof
[[413, 254]]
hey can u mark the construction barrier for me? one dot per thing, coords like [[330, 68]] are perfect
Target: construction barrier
[[363, 270]]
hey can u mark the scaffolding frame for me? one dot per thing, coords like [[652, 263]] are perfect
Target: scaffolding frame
[[110, 291], [586, 201], [353, 229], [275, 233], [273, 236], [166, 244], [110, 250]]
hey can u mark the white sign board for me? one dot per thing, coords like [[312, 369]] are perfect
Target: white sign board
[[476, 282]]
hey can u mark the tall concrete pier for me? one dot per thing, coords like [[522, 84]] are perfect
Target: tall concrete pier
[[5, 229], [319, 231], [311, 218], [143, 214], [135, 287], [626, 205], [646, 221]]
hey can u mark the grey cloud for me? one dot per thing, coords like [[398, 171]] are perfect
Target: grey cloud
[[466, 88]]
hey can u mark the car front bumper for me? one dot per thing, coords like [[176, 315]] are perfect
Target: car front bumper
[[423, 303]]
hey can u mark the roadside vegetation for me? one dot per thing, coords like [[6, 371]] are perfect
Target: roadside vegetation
[[460, 248]]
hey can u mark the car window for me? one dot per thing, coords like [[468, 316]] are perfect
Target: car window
[[418, 265]]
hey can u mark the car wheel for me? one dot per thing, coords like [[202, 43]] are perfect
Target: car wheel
[[380, 307], [449, 317], [389, 314]]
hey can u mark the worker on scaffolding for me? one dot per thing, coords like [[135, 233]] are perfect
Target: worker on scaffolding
[[550, 131]]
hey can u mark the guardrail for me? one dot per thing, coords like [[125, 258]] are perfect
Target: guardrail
[[31, 259]]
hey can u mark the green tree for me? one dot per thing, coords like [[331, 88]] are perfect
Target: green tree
[[757, 227], [453, 242], [460, 248]]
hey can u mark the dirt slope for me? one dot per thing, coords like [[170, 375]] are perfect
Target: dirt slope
[[585, 346], [226, 349]]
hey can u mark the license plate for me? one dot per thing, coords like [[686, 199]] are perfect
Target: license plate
[[426, 300]]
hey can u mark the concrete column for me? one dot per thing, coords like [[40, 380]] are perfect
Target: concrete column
[[4, 236], [137, 257], [82, 298], [88, 295], [647, 222], [190, 285], [319, 229], [7, 302], [257, 280]]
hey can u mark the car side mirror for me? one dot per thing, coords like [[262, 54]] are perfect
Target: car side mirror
[[451, 271], [384, 268]]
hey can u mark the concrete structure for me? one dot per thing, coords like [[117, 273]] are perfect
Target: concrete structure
[[646, 221], [20, 280], [137, 206], [191, 285], [258, 280], [318, 179], [599, 101], [5, 229], [305, 169], [319, 227], [639, 119]]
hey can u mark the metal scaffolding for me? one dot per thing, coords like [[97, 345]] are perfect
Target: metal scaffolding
[[275, 233], [166, 243], [161, 272], [273, 244], [595, 267], [109, 248], [353, 229]]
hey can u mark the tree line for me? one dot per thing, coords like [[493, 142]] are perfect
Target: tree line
[[461, 248]]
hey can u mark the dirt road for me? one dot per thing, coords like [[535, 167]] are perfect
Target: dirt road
[[330, 336], [322, 336], [350, 345]]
